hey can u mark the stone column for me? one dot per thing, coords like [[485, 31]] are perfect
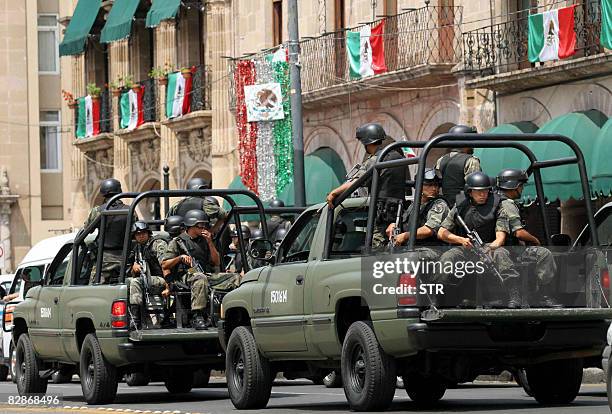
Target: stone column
[[119, 67], [121, 156], [224, 139], [6, 200]]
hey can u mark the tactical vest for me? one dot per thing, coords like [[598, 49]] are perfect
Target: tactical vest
[[115, 228], [198, 250], [422, 219], [392, 181], [151, 259], [481, 218], [453, 175], [189, 203]]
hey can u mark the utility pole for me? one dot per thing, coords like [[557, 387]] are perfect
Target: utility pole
[[299, 184]]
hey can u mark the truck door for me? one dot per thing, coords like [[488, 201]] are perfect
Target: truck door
[[45, 324], [279, 299]]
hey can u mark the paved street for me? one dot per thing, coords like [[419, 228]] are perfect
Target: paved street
[[301, 396]]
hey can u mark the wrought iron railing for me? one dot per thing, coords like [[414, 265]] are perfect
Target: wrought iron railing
[[149, 100], [503, 47], [106, 116], [201, 88]]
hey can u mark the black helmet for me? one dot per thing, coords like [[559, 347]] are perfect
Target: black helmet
[[194, 217], [432, 176], [477, 181], [173, 225], [280, 235], [462, 129], [511, 178], [257, 234], [370, 133], [110, 187], [198, 184], [140, 226], [277, 203], [212, 200], [246, 232]]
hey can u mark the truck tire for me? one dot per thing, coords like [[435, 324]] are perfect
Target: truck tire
[[201, 378], [98, 377], [137, 379], [178, 381], [555, 382], [333, 380], [4, 371], [422, 390], [520, 376], [12, 363], [368, 373], [248, 373], [28, 367]]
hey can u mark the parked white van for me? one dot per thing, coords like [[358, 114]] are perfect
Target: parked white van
[[29, 273]]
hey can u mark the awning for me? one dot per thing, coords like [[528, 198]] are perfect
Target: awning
[[324, 171], [119, 22], [77, 31], [241, 200], [493, 160], [162, 10], [563, 182], [601, 169]]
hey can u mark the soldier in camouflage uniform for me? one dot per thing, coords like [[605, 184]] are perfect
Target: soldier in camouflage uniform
[[510, 183], [209, 205], [483, 212], [392, 181], [114, 232], [455, 166], [144, 249], [196, 256]]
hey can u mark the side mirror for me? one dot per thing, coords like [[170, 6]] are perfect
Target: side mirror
[[561, 240], [261, 249]]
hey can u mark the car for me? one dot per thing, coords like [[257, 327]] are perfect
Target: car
[[311, 310]]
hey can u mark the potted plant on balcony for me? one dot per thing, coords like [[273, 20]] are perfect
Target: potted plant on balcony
[[94, 91], [69, 98], [186, 72], [115, 87], [160, 74]]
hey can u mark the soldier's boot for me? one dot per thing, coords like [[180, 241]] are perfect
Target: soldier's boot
[[547, 299], [514, 292], [201, 321], [135, 313]]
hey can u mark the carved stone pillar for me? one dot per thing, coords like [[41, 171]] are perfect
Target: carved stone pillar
[[6, 200], [119, 66], [122, 167], [224, 138], [78, 75]]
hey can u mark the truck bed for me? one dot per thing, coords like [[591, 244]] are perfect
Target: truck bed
[[511, 315]]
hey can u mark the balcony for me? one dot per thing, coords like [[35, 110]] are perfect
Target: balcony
[[496, 56], [102, 126], [421, 48]]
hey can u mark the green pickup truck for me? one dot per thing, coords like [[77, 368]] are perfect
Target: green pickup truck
[[311, 310], [72, 323]]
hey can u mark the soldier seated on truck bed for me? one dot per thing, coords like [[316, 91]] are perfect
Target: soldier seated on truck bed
[[195, 256]]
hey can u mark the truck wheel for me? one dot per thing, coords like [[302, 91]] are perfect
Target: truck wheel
[[423, 391], [28, 366], [98, 377], [12, 363], [137, 379], [368, 373], [333, 380], [4, 371], [248, 374], [555, 382], [201, 378], [179, 381], [520, 376]]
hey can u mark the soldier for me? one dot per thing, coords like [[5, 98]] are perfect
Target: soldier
[[280, 235], [235, 247], [143, 250], [433, 211], [114, 232], [209, 205], [173, 225], [455, 166], [510, 183], [196, 254], [391, 184], [276, 222], [482, 212], [256, 234]]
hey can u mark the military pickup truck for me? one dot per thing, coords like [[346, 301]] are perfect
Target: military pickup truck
[[312, 311], [72, 322]]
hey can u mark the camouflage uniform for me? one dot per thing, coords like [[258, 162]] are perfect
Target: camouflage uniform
[[511, 222], [159, 247], [156, 282], [212, 210], [471, 165], [501, 256]]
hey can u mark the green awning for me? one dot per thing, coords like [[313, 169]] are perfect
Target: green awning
[[601, 169], [119, 22], [162, 10], [324, 171], [562, 182], [492, 160], [241, 200], [77, 31]]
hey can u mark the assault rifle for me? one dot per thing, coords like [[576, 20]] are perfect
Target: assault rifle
[[398, 223], [145, 274], [194, 262], [480, 249]]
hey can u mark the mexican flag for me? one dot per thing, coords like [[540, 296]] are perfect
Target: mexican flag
[[132, 109], [366, 51], [552, 35], [88, 123], [606, 24], [178, 100], [409, 152]]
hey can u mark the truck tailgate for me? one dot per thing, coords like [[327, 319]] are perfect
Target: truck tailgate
[[173, 335], [509, 315]]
